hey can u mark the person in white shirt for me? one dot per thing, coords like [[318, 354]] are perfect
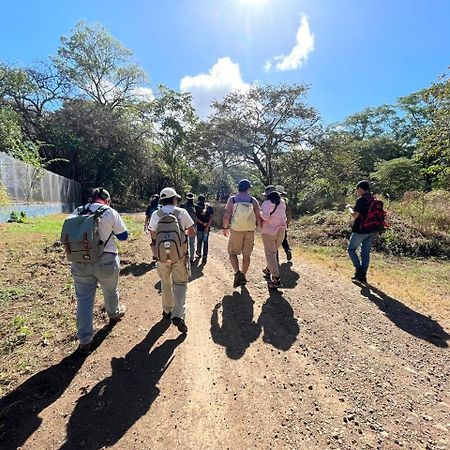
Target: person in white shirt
[[174, 275], [106, 271]]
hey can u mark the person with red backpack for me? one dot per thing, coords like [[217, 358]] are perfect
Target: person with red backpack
[[369, 216]]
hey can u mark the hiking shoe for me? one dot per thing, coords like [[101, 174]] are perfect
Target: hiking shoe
[[237, 279], [289, 255], [204, 260], [166, 316], [266, 273], [274, 283], [243, 280], [359, 276], [85, 348], [119, 315], [180, 324]]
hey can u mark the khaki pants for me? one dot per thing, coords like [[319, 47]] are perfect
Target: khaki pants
[[271, 246], [174, 279]]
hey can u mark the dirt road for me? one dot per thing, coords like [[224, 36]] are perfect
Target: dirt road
[[322, 364]]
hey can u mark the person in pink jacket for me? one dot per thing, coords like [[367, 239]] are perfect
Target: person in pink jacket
[[273, 213]]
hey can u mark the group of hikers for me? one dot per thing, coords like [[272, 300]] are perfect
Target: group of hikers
[[88, 235]]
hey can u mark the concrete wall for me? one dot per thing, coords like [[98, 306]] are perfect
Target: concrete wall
[[36, 193]]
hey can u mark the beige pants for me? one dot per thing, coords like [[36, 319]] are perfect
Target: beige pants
[[174, 279], [271, 246]]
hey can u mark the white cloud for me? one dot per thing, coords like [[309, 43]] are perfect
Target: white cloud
[[268, 66], [143, 93], [223, 77], [303, 47]]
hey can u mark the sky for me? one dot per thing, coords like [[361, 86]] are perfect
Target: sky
[[353, 53]]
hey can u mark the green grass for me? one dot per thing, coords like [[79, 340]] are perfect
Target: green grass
[[9, 295], [48, 225]]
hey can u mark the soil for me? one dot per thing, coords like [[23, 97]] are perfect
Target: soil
[[320, 364]]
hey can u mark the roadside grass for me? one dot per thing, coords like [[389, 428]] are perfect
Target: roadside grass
[[423, 284], [37, 298]]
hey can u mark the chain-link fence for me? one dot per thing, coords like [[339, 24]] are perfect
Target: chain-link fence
[[36, 191]]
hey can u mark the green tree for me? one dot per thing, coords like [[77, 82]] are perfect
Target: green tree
[[397, 176], [265, 122], [99, 66], [174, 119], [434, 138]]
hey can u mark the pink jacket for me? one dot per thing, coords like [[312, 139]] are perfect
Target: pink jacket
[[272, 224]]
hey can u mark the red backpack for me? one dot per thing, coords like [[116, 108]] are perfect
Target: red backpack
[[375, 221]]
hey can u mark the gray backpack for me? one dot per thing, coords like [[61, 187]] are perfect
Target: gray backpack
[[170, 238], [80, 236]]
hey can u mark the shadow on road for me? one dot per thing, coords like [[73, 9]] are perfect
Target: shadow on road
[[280, 327], [19, 410], [137, 270], [196, 269], [413, 322], [289, 278], [238, 329], [106, 413]]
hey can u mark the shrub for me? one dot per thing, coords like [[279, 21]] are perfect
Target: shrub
[[17, 217]]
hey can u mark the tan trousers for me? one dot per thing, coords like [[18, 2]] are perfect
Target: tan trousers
[[174, 279], [271, 246]]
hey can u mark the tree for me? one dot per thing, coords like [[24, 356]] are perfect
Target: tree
[[434, 138], [99, 66], [266, 121], [397, 176], [105, 147], [174, 119]]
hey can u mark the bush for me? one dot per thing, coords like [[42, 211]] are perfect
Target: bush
[[17, 217], [428, 212]]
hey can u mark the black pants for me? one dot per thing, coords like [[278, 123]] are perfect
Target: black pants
[[285, 244]]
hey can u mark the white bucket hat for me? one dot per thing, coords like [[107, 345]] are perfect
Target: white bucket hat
[[168, 193]]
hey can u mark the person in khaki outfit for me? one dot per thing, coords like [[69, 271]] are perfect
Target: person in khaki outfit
[[242, 215], [174, 275], [273, 213]]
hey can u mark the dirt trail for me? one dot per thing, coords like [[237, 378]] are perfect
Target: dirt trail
[[321, 364]]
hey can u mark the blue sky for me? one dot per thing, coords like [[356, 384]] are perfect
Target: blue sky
[[358, 53]]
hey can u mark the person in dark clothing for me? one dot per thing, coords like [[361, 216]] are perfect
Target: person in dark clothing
[[189, 206], [361, 237], [151, 208], [285, 243], [204, 212]]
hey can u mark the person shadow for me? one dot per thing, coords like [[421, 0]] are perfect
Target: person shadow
[[289, 278], [408, 320], [103, 415], [197, 270], [20, 409], [280, 327], [136, 269], [238, 329]]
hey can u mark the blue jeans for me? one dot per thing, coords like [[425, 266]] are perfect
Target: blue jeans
[[202, 240], [365, 241], [191, 240], [86, 276]]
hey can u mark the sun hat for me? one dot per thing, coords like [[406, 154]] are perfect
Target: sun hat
[[190, 195], [269, 189], [280, 189], [168, 193]]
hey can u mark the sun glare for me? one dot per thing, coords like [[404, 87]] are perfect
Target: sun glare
[[253, 3]]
